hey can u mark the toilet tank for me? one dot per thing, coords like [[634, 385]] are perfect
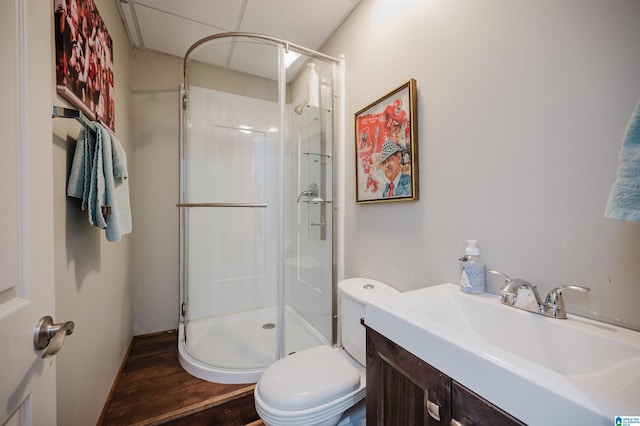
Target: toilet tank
[[353, 294]]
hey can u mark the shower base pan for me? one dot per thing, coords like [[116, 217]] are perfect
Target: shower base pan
[[237, 348]]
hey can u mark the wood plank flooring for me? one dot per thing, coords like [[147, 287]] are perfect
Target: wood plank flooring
[[153, 389]]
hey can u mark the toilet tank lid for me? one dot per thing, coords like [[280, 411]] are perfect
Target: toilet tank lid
[[308, 378], [365, 290]]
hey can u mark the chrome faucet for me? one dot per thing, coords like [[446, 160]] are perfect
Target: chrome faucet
[[524, 295], [519, 293]]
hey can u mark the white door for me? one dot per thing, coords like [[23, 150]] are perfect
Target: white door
[[27, 381]]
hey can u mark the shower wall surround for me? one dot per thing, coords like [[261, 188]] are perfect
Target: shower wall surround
[[233, 252]]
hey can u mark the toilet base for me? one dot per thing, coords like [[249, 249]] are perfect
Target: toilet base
[[355, 416]]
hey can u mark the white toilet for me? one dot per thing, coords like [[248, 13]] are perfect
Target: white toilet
[[323, 385]]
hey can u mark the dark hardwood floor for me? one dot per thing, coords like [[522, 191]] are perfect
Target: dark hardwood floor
[[152, 389]]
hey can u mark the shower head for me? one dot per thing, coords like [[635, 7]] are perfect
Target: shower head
[[300, 108]]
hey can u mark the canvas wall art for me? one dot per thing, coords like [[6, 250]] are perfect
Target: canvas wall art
[[84, 60]]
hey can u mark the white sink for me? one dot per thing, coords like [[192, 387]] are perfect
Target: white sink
[[541, 370]]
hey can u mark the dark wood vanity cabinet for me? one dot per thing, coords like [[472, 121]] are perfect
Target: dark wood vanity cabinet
[[467, 408], [404, 390], [399, 386]]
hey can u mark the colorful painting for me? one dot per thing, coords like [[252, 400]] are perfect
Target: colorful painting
[[84, 60], [387, 147]]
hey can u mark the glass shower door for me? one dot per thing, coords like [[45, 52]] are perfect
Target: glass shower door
[[230, 239], [231, 225], [257, 165], [309, 207]]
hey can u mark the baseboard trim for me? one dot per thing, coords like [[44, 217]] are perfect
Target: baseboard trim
[[115, 382]]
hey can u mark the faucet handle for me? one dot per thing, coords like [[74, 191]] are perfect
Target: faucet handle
[[554, 303], [555, 295]]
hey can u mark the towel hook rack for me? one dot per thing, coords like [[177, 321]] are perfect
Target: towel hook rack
[[64, 112]]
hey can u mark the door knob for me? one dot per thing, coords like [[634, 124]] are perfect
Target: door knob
[[50, 336]]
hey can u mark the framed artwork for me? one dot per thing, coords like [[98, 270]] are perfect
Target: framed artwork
[[386, 142], [84, 60]]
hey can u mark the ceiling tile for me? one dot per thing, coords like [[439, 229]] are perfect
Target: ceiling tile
[[156, 35], [305, 22], [172, 26], [222, 14]]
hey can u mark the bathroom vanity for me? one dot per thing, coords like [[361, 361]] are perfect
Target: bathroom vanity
[[469, 359], [402, 389]]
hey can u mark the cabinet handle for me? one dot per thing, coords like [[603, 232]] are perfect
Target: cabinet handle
[[434, 410], [454, 422]]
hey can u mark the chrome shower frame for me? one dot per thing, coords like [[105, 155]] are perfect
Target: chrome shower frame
[[337, 204]]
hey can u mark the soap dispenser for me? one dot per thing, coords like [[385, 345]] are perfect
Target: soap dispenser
[[472, 270]]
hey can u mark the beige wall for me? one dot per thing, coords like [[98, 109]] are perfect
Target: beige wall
[[94, 278], [522, 107], [155, 81]]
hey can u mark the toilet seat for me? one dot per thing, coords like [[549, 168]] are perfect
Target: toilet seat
[[308, 378], [310, 387]]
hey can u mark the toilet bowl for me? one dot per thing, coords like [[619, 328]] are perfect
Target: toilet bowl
[[323, 386]]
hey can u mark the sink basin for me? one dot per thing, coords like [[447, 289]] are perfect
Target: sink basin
[[541, 370]]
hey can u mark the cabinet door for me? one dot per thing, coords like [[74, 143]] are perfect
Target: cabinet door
[[402, 389], [469, 409]]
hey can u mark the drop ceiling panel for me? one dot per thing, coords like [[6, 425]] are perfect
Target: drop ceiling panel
[[168, 33], [305, 22], [222, 14], [172, 26]]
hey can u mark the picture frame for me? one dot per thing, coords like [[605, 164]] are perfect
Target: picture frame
[[386, 144], [84, 60]]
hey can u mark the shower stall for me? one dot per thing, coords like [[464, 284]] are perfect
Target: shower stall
[[259, 203]]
